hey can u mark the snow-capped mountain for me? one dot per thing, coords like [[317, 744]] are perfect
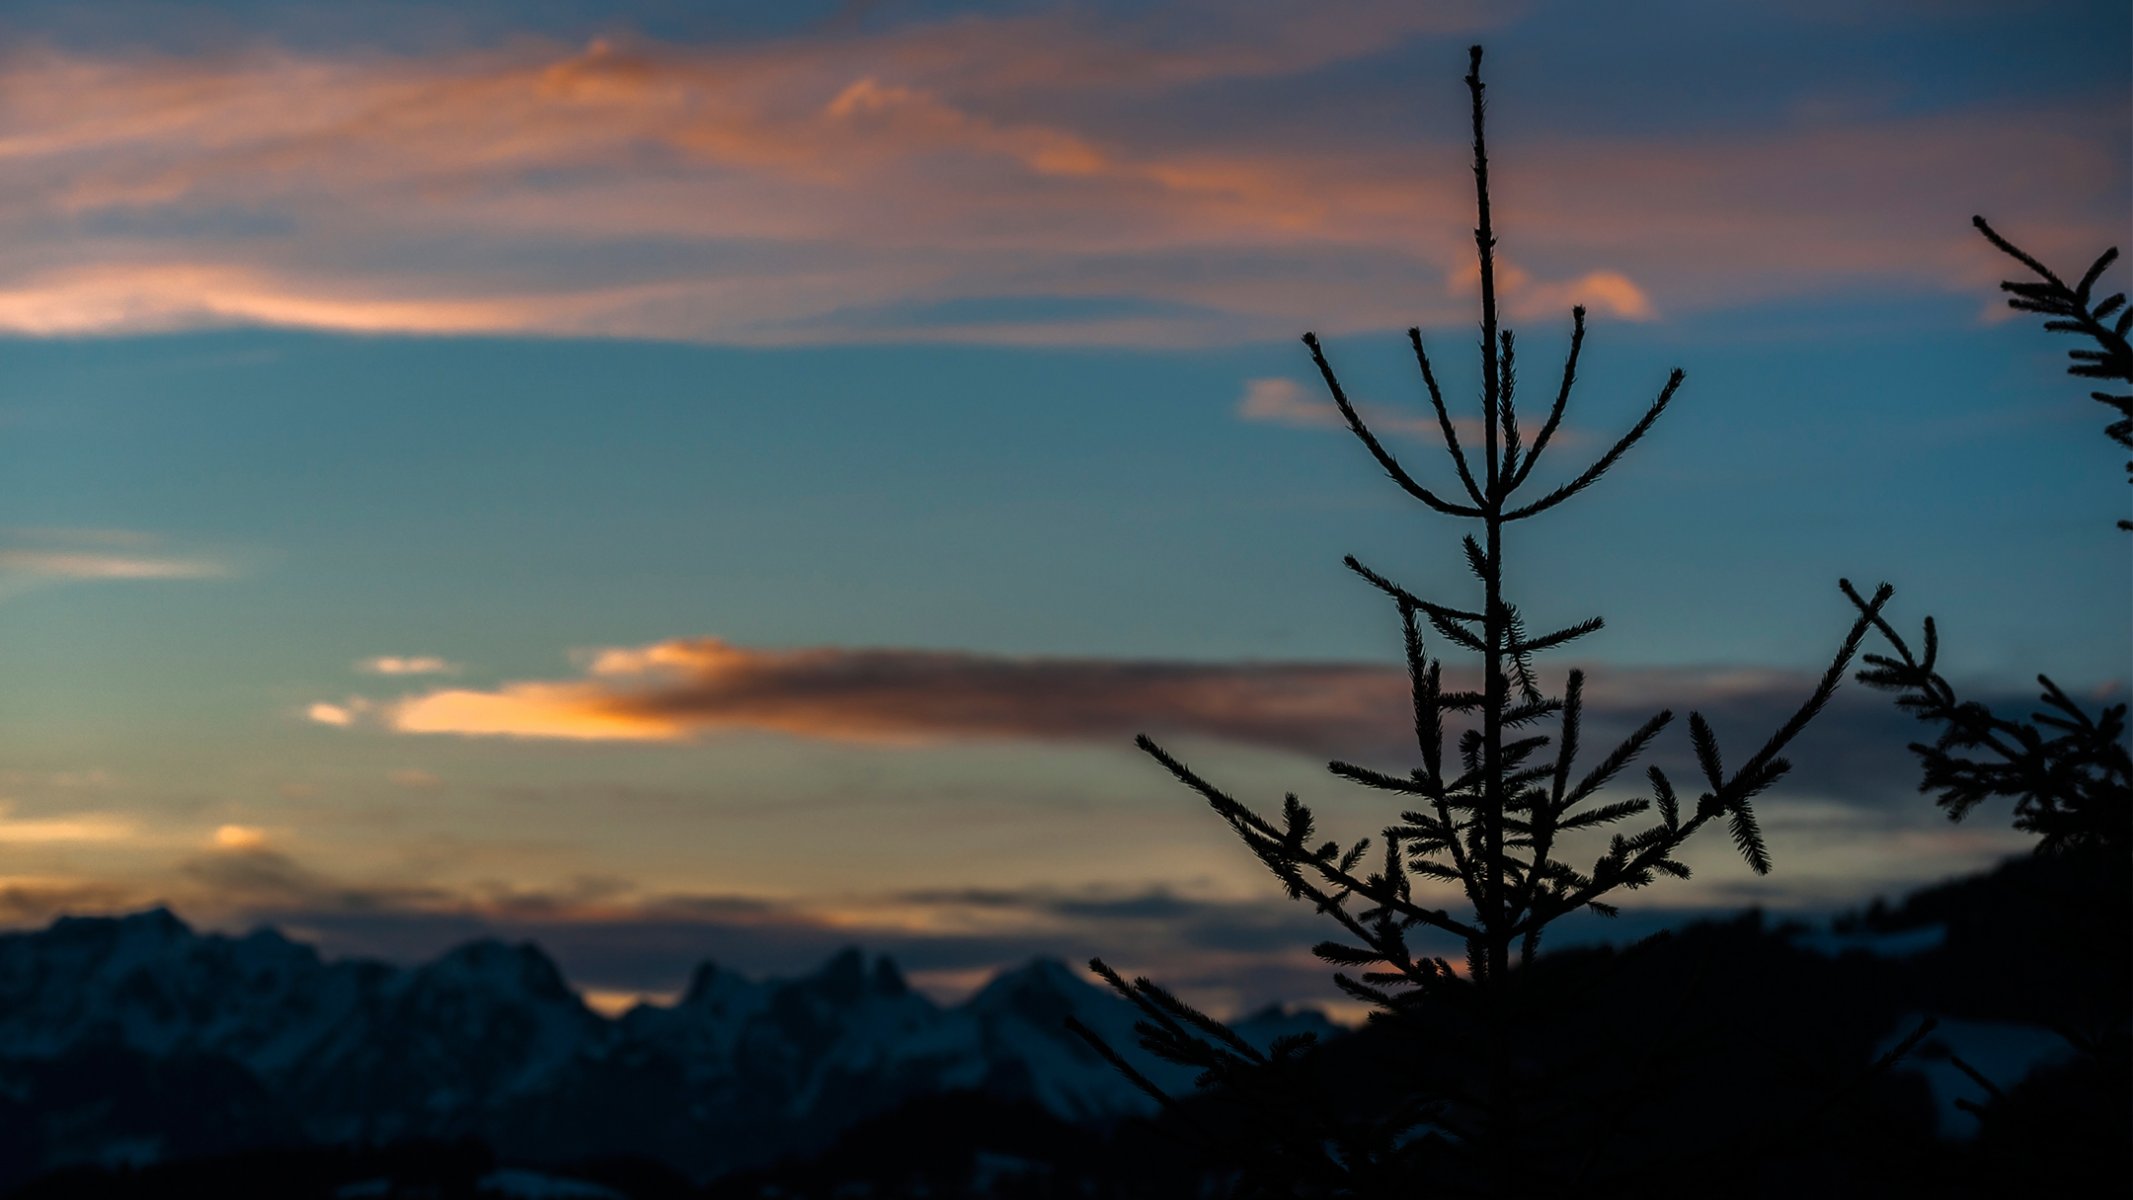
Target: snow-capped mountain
[[489, 1041]]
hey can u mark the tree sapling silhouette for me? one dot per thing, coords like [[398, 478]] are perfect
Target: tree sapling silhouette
[[2067, 772], [1495, 816], [2071, 779]]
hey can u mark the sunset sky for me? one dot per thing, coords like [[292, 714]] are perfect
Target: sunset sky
[[729, 480]]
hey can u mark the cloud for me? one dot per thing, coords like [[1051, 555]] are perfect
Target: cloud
[[687, 688], [239, 837], [34, 558], [531, 710], [77, 565], [419, 664], [27, 900], [1282, 401], [609, 936], [865, 184], [1234, 951], [337, 715], [1608, 293], [78, 827]]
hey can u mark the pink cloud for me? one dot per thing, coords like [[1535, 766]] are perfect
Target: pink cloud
[[827, 188]]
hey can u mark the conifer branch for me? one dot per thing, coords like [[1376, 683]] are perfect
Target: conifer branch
[[1562, 398], [1403, 596], [1118, 1062], [1597, 469], [1268, 841], [2074, 310], [2069, 774], [1378, 451], [1444, 418]]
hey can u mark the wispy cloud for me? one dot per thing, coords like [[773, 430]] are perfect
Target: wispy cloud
[[415, 664], [30, 899], [868, 184], [609, 936], [75, 827], [1234, 950], [79, 565], [1281, 401], [35, 558]]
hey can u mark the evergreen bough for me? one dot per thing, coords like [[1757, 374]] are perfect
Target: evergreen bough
[[2067, 772], [2070, 777]]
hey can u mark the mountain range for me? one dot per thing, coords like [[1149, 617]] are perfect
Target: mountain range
[[138, 1039]]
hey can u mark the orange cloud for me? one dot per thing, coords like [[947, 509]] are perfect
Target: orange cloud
[[1602, 292], [239, 837], [531, 710], [686, 689], [80, 827], [689, 688]]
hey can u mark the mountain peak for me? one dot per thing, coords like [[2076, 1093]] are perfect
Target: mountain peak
[[842, 978], [506, 964], [160, 920], [158, 923], [1038, 976], [888, 980], [705, 982]]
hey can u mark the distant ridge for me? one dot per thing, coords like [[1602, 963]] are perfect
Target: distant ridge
[[119, 1035], [137, 1039]]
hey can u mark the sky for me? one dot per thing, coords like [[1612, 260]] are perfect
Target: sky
[[680, 481]]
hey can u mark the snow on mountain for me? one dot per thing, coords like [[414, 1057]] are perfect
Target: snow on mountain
[[706, 1022], [146, 981], [489, 1040], [1021, 1026]]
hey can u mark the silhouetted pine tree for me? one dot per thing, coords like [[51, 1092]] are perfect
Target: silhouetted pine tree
[[2068, 773], [1473, 1108], [2070, 777]]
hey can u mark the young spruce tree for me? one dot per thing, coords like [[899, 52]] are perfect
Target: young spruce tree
[[1504, 813], [2067, 772], [2069, 775]]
